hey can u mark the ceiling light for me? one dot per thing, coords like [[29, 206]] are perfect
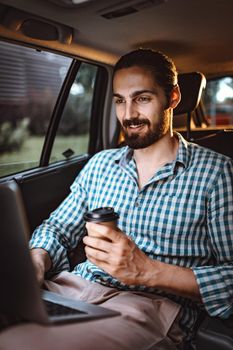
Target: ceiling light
[[79, 1], [70, 3]]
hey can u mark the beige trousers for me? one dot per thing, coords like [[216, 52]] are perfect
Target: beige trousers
[[147, 322]]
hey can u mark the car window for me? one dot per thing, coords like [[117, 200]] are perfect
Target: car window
[[30, 81], [218, 102], [72, 136]]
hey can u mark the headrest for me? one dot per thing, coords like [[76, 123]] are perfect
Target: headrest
[[191, 87]]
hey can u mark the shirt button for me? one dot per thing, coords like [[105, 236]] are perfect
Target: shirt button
[[137, 204]]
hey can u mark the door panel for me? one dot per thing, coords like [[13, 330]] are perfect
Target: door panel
[[45, 189]]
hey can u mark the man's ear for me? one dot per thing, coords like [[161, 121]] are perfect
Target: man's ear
[[175, 97]]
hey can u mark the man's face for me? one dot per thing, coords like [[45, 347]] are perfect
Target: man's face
[[140, 107]]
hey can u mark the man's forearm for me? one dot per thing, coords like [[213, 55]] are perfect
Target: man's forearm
[[173, 279], [43, 255]]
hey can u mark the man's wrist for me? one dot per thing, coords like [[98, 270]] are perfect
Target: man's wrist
[[173, 279], [152, 274], [42, 255]]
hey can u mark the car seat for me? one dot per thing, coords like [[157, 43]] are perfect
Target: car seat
[[191, 87], [211, 332]]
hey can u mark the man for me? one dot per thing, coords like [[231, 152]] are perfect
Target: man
[[173, 248]]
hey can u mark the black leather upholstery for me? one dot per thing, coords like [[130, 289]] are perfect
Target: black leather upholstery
[[215, 334], [191, 87], [221, 142]]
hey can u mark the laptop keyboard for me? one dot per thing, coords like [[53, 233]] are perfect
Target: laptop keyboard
[[57, 309]]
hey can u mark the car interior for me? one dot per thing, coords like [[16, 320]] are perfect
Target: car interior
[[56, 109]]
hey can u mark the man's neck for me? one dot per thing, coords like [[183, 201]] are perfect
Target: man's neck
[[162, 151], [152, 158]]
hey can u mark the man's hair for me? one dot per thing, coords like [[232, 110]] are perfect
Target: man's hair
[[158, 64]]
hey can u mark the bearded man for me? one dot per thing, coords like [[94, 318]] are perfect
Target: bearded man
[[172, 251]]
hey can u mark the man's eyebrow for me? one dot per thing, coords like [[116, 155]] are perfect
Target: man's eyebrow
[[136, 93], [117, 95], [140, 92]]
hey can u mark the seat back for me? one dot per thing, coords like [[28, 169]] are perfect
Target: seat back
[[191, 88], [221, 141]]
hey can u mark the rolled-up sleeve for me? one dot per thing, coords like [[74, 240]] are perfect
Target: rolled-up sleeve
[[65, 226], [216, 281]]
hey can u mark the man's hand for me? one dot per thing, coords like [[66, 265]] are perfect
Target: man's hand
[[41, 262], [114, 252]]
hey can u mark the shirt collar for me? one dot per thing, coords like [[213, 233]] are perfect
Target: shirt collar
[[183, 150], [124, 157]]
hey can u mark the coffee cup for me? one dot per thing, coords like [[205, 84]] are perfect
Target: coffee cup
[[104, 216]]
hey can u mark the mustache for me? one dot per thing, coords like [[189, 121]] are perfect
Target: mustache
[[135, 121]]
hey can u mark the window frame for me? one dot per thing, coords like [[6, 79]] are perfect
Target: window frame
[[99, 109], [95, 131]]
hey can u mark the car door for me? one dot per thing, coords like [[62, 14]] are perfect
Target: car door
[[51, 115]]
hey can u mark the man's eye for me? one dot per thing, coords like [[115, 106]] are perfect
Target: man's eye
[[143, 99], [119, 101]]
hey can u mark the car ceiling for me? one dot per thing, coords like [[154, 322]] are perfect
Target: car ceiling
[[197, 34]]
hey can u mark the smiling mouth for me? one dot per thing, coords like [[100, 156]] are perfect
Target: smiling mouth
[[135, 124]]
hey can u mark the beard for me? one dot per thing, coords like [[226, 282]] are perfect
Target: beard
[[145, 139]]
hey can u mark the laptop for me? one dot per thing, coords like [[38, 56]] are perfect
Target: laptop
[[21, 299]]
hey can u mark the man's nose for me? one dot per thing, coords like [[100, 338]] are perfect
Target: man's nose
[[130, 110]]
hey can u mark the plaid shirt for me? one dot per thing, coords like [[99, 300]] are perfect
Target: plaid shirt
[[182, 216]]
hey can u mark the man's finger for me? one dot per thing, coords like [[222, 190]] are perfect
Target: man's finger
[[97, 243], [110, 233], [98, 255]]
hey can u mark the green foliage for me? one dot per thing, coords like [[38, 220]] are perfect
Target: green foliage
[[12, 136]]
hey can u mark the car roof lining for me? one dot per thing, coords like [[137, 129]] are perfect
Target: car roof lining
[[196, 34]]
